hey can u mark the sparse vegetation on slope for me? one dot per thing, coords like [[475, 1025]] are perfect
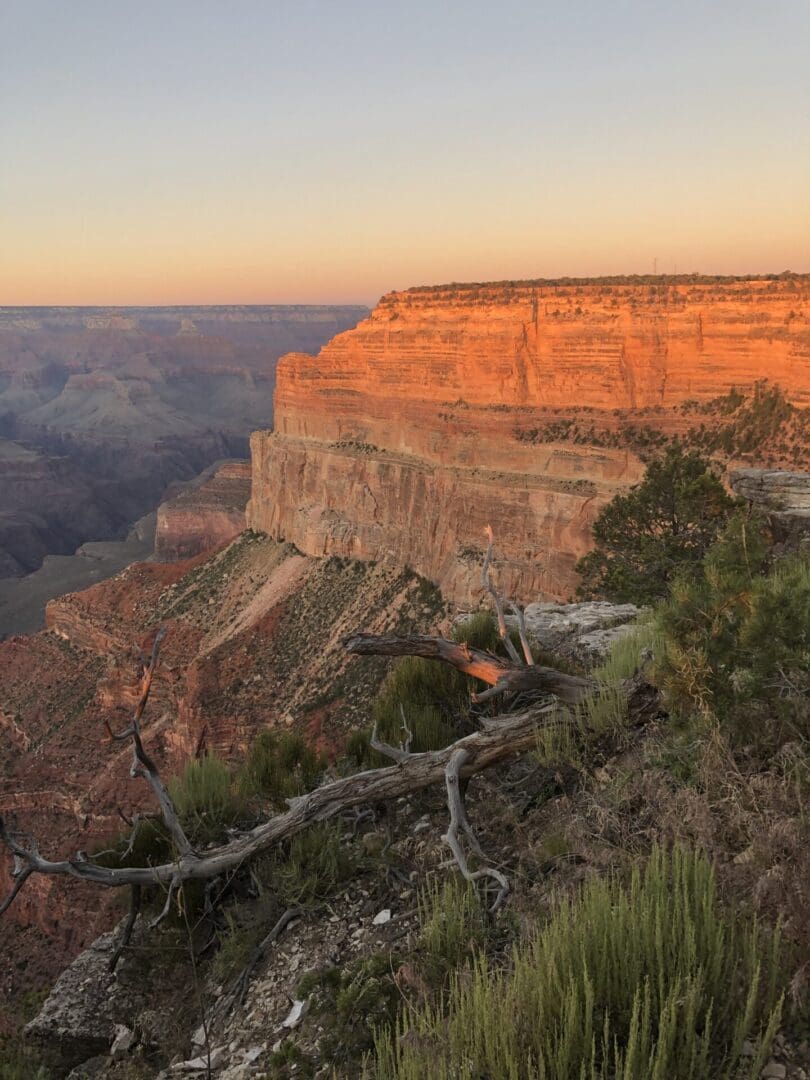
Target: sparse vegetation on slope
[[648, 980]]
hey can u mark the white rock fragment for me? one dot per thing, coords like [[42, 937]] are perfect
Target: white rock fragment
[[382, 917], [200, 1064], [293, 1017], [123, 1041]]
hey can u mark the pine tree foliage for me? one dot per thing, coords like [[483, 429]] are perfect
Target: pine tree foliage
[[737, 639], [645, 538]]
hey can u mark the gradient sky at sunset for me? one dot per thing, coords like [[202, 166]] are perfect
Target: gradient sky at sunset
[[261, 151]]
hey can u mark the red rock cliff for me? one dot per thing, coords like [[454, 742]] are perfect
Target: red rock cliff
[[452, 407]]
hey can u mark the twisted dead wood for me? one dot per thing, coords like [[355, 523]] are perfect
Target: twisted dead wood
[[514, 733], [502, 674]]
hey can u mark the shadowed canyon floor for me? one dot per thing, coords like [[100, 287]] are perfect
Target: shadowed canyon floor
[[101, 409]]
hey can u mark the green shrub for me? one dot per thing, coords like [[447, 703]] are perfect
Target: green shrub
[[353, 1004], [644, 981], [310, 868], [453, 924], [737, 640], [645, 538], [19, 1063], [205, 799], [604, 711], [431, 697], [150, 845], [278, 767]]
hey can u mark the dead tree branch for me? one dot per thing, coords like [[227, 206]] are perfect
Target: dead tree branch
[[460, 824], [142, 764], [486, 584], [516, 733], [503, 675]]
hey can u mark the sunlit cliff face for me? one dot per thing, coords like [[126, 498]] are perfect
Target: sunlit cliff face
[[451, 408]]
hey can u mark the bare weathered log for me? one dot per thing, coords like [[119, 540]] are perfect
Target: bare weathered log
[[516, 733], [503, 675]]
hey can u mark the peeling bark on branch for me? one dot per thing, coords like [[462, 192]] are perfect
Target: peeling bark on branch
[[503, 675]]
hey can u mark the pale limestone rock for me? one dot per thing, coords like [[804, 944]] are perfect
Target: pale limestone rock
[[582, 632]]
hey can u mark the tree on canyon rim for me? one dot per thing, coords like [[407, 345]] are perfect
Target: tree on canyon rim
[[661, 527]]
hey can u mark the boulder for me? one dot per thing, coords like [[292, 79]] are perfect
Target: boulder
[[580, 632], [784, 496], [87, 1008]]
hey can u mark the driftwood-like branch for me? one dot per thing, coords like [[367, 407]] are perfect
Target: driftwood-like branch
[[503, 675], [460, 825], [524, 637], [517, 732], [486, 584], [142, 764]]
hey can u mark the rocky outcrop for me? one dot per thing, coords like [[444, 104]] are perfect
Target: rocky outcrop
[[783, 496], [85, 1007], [774, 489], [583, 632], [451, 408], [204, 515]]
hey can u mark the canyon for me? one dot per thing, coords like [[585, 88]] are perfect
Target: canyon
[[102, 409], [526, 406]]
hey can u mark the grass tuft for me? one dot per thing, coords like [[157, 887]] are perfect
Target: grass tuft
[[647, 980]]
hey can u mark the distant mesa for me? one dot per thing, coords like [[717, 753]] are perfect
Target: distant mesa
[[102, 408]]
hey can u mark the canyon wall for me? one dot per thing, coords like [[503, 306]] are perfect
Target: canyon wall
[[517, 405], [205, 514]]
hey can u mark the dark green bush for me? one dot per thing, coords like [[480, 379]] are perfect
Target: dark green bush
[[206, 800], [278, 767], [431, 698], [737, 640], [664, 525]]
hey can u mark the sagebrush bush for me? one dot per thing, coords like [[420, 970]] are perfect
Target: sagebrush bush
[[433, 698], [647, 980], [205, 799], [453, 924], [310, 867], [604, 711], [278, 767]]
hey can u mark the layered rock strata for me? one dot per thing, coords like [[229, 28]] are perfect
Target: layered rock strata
[[204, 515], [453, 408]]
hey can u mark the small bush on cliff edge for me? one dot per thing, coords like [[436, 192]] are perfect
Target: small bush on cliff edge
[[663, 525], [432, 698]]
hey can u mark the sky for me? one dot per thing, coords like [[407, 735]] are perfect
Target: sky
[[309, 151]]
